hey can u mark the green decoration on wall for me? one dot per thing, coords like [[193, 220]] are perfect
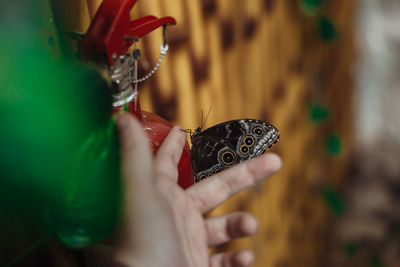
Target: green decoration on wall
[[327, 29], [311, 7], [333, 200], [333, 145], [375, 260], [317, 113], [350, 249]]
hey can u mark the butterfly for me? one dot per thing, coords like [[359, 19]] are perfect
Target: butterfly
[[226, 144]]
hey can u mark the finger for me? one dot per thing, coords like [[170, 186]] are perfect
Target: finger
[[216, 189], [169, 154], [224, 228], [241, 258], [135, 151], [137, 178]]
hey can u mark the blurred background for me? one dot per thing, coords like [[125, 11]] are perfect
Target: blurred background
[[325, 73]]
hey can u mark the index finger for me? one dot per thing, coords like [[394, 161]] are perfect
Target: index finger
[[214, 190]]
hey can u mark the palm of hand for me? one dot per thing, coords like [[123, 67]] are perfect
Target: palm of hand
[[164, 225]]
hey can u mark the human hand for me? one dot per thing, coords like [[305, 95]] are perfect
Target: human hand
[[164, 225]]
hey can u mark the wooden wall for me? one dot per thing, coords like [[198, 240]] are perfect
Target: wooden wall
[[260, 59]]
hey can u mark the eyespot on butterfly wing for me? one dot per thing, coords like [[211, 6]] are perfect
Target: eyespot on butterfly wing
[[229, 143]]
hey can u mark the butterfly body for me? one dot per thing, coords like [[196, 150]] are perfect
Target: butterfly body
[[226, 144]]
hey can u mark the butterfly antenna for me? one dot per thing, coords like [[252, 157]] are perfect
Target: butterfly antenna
[[208, 114], [201, 120]]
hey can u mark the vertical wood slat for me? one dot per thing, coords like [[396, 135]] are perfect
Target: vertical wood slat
[[251, 60], [186, 101], [215, 81], [72, 15]]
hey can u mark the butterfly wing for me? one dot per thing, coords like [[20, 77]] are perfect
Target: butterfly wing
[[226, 144]]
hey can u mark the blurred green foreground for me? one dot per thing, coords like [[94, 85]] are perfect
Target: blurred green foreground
[[58, 157]]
